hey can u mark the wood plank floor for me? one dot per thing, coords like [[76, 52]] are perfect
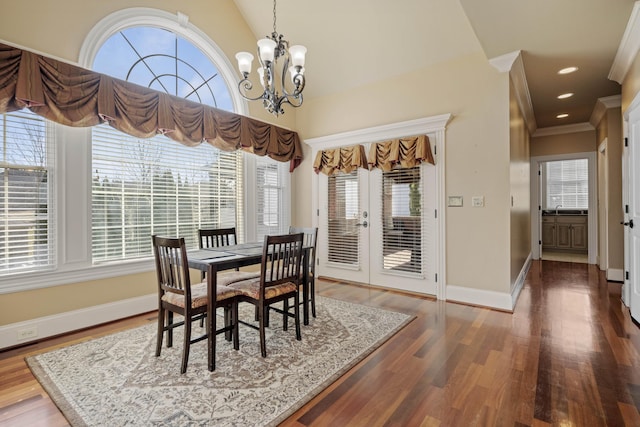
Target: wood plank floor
[[568, 356]]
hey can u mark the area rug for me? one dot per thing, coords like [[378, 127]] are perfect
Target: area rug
[[117, 381]]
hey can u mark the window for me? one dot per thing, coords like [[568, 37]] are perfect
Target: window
[[158, 186], [270, 186], [343, 214], [402, 220], [26, 226], [567, 184]]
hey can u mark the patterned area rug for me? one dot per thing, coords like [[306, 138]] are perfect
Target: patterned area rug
[[116, 380]]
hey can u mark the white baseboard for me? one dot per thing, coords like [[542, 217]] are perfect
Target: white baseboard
[[48, 326], [615, 274], [471, 296], [519, 284]]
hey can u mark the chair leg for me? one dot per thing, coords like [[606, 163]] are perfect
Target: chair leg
[[236, 325], [285, 317], [187, 342], [313, 297], [297, 316], [161, 315], [170, 329], [263, 345], [227, 322]]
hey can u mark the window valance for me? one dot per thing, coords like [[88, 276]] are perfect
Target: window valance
[[408, 152], [74, 96], [343, 159]]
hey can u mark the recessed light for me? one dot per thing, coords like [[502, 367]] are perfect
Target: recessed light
[[568, 70], [562, 116], [565, 95]]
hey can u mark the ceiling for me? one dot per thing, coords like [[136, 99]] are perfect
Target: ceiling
[[357, 42]]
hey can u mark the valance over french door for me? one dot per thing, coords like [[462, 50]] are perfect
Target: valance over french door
[[386, 155], [343, 159], [74, 96], [405, 152]]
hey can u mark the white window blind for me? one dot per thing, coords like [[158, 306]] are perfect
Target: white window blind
[[567, 184], [270, 206], [158, 186], [402, 220], [343, 215], [27, 238]]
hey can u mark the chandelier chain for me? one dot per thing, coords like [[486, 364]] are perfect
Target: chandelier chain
[[274, 16]]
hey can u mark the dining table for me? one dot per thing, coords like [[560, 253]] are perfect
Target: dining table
[[212, 260]]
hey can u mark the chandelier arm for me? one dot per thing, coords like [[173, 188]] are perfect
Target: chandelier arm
[[245, 86], [288, 99]]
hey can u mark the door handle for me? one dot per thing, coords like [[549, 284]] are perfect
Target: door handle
[[364, 224], [630, 223]]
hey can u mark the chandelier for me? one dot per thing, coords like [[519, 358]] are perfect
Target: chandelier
[[270, 50]]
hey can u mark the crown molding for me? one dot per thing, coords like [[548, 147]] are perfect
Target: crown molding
[[512, 63], [503, 63], [601, 107], [383, 132], [560, 130], [629, 46]]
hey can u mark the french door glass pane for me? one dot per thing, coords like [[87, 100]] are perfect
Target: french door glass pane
[[402, 220], [343, 215]]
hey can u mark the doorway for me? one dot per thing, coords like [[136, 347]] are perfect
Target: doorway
[[402, 244], [564, 201], [378, 227]]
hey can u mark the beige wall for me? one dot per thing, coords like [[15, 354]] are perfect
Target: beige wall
[[21, 306], [577, 142], [615, 251], [520, 188], [631, 84], [477, 154], [611, 231], [602, 199]]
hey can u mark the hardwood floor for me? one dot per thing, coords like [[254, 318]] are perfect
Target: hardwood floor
[[568, 356]]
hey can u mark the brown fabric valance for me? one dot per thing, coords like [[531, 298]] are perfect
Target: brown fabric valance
[[344, 159], [408, 152], [74, 96]]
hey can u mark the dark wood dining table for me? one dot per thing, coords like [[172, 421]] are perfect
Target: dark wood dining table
[[212, 260]]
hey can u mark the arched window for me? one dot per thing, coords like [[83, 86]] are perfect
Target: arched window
[[142, 187]]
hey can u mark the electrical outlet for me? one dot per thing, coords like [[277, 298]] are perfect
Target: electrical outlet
[[477, 201], [27, 333]]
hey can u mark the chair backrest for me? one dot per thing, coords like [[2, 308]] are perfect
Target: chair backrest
[[281, 259], [172, 266], [310, 239], [213, 238]]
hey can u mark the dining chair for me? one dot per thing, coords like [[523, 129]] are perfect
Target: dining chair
[[177, 295], [310, 240], [216, 237], [278, 281]]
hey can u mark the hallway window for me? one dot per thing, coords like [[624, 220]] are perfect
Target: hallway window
[[566, 184]]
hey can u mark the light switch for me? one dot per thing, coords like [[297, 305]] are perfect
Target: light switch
[[477, 201], [455, 201]]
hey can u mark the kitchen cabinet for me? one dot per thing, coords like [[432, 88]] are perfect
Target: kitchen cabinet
[[566, 232]]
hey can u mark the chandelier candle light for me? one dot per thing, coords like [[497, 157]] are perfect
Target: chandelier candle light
[[270, 49]]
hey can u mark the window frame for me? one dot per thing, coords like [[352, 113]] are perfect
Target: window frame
[[72, 183]]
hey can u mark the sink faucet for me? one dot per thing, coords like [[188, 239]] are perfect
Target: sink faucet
[[557, 206]]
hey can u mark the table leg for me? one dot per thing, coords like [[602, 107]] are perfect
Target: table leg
[[212, 277]]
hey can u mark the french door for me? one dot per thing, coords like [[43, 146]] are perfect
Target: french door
[[379, 228]]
